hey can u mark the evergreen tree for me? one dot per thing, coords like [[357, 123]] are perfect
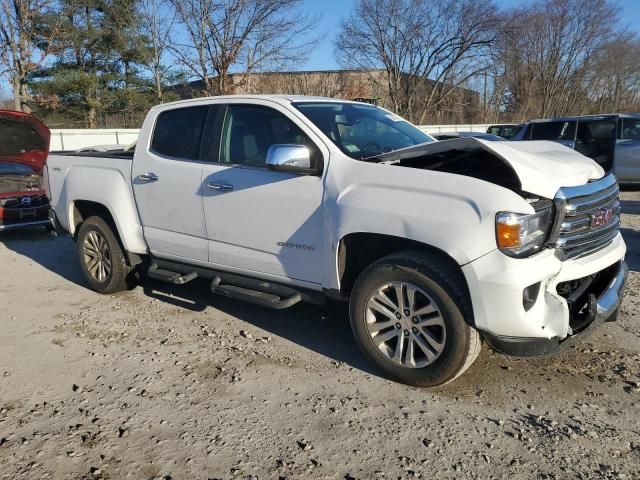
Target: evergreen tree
[[96, 70]]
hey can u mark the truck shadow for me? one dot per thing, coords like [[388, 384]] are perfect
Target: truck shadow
[[630, 207], [632, 239], [55, 253], [324, 329]]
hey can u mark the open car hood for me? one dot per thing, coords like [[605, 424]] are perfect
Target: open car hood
[[542, 167], [23, 139]]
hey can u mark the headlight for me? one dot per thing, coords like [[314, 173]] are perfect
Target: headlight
[[521, 235]]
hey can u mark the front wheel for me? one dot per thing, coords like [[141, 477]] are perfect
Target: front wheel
[[101, 257], [410, 315]]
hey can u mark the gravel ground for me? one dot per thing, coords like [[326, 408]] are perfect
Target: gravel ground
[[174, 383]]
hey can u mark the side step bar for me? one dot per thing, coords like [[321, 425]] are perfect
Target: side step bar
[[240, 287], [257, 297], [168, 276]]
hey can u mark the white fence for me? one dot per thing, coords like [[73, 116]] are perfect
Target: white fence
[[73, 139], [468, 127]]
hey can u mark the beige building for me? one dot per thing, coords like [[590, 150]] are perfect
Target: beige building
[[363, 85]]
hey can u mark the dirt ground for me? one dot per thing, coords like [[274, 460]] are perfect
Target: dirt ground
[[174, 383]]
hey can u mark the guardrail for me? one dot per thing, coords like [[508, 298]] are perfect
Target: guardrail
[[74, 139]]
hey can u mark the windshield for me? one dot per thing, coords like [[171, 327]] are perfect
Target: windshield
[[362, 131]]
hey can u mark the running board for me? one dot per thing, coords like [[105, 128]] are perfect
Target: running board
[[176, 278], [256, 297]]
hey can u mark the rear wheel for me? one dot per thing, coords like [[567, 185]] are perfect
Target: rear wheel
[[101, 257], [411, 317]]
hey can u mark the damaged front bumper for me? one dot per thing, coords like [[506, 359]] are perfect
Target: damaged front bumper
[[525, 307], [604, 308]]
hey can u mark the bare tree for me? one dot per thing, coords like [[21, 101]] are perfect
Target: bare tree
[[244, 35], [157, 20], [20, 37], [427, 49], [548, 53], [614, 78]]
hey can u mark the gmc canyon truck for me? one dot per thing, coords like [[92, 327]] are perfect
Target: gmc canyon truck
[[276, 200]]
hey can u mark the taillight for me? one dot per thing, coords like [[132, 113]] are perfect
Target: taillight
[[47, 187]]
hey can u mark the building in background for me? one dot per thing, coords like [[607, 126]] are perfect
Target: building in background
[[462, 106]]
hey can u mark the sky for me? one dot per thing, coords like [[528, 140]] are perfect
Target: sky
[[334, 11]]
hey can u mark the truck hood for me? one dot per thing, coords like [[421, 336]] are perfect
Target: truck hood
[[542, 167], [23, 139]]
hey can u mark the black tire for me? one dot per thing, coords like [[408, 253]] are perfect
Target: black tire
[[116, 279], [460, 342]]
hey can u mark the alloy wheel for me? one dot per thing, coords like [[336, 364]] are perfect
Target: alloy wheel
[[405, 324], [97, 256]]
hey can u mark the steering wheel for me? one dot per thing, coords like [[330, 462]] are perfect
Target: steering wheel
[[368, 148]]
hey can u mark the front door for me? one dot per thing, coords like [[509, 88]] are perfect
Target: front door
[[259, 220], [167, 178]]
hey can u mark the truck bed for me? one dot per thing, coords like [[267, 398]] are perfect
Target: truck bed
[[111, 154]]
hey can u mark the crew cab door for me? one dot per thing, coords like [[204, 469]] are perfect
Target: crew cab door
[[257, 219], [167, 175]]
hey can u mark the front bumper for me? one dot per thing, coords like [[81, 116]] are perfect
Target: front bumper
[[23, 215], [497, 282], [606, 310]]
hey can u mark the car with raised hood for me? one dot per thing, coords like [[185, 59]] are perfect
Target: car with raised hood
[[24, 145], [279, 199]]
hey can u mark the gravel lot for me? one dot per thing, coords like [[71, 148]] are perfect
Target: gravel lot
[[174, 383]]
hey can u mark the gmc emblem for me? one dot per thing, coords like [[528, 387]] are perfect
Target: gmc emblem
[[603, 217]]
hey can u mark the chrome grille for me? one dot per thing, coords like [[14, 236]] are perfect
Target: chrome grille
[[574, 233]]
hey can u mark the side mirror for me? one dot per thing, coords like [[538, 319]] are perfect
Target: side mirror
[[289, 158]]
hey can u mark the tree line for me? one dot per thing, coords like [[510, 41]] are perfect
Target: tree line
[[101, 63]]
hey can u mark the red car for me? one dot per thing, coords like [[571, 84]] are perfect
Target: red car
[[24, 146]]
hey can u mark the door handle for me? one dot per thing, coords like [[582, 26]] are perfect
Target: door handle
[[219, 186], [149, 177]]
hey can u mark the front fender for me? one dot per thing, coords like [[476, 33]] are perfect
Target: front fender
[[452, 213]]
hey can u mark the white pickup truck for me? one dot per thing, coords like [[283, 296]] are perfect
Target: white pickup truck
[[437, 246]]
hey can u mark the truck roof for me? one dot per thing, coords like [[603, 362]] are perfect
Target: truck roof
[[280, 98]]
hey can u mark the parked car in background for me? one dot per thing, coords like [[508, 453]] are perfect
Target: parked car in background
[[506, 131], [24, 145], [280, 199], [611, 140], [480, 135]]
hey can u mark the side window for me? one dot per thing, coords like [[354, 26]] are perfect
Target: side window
[[554, 131], [631, 128], [249, 130], [178, 132]]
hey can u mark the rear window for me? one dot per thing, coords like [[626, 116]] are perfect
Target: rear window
[[554, 131], [178, 133]]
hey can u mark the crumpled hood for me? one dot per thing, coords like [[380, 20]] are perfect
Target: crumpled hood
[[543, 167], [23, 139]]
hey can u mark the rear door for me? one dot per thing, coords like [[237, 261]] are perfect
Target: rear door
[[260, 220], [167, 176]]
